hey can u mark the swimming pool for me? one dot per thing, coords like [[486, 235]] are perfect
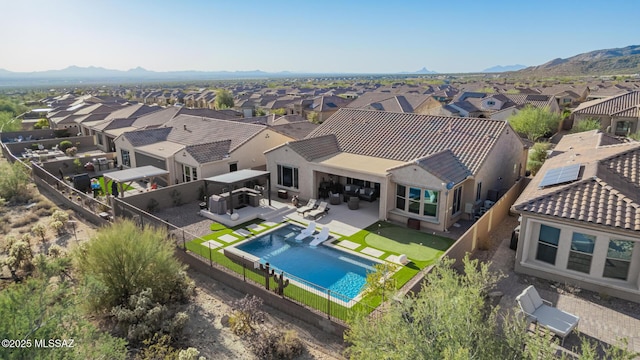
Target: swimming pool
[[328, 268]]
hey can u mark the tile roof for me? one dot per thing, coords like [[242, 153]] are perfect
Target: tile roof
[[593, 201], [316, 147], [612, 105], [388, 102], [295, 130], [405, 137], [213, 151], [444, 165], [193, 130], [148, 136], [607, 191]]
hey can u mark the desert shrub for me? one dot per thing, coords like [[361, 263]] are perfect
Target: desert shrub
[[246, 315], [276, 344], [60, 215], [43, 212], [64, 145], [26, 219], [116, 279], [159, 347], [537, 157], [72, 151], [4, 228], [142, 318], [586, 125], [14, 182]]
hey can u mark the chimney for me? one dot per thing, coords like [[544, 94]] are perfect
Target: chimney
[[185, 126]]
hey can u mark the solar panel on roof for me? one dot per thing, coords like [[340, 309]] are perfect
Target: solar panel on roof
[[560, 175]]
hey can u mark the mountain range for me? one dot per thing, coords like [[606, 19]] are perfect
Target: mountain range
[[599, 62], [500, 68], [616, 61]]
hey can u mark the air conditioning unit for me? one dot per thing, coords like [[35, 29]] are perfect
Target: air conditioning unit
[[468, 208]]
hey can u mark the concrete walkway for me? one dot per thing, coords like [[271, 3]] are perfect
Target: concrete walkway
[[602, 320]]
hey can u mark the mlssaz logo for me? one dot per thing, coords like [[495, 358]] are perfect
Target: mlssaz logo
[[54, 343]]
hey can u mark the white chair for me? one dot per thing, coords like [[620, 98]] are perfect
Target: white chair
[[320, 238], [557, 321], [310, 206], [305, 233], [321, 210]]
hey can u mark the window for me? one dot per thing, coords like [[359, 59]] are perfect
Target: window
[[581, 252], [417, 201], [414, 200], [401, 197], [430, 204], [623, 128], [618, 259], [99, 137], [548, 244], [126, 160], [288, 176], [189, 173], [479, 191], [457, 201], [233, 167]]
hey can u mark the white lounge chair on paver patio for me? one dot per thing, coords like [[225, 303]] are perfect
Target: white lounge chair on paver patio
[[305, 233], [321, 210], [310, 206], [320, 238], [557, 321]]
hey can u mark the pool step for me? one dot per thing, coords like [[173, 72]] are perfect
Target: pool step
[[277, 251]]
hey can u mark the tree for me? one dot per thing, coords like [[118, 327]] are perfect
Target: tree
[[449, 318], [14, 182], [313, 117], [40, 230], [586, 125], [123, 260], [8, 122], [260, 112], [279, 111], [534, 123], [42, 123], [224, 99], [537, 156]]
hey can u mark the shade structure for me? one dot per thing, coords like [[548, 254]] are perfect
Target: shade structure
[[137, 173], [236, 177]]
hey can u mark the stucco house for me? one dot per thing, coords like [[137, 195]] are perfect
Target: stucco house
[[193, 147], [618, 114], [580, 216], [434, 170]]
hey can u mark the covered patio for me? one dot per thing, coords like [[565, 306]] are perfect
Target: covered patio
[[120, 177], [241, 197]]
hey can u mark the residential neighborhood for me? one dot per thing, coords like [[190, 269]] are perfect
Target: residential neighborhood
[[276, 182]]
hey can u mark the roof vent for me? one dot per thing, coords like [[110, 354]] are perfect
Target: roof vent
[[185, 126]]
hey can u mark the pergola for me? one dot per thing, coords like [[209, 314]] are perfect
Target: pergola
[[237, 177], [130, 175]]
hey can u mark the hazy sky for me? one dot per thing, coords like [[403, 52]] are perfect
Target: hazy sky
[[308, 36]]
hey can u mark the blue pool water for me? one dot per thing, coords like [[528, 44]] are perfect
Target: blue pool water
[[339, 271]]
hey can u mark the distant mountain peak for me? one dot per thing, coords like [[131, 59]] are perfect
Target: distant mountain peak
[[424, 70], [501, 68]]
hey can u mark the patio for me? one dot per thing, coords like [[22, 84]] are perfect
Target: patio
[[341, 220]]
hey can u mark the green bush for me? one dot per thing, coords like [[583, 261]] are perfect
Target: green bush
[[14, 182], [64, 145]]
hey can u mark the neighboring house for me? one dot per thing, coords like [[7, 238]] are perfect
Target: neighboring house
[[518, 102], [406, 103], [324, 106], [108, 129], [580, 216], [194, 147], [618, 115], [435, 170]]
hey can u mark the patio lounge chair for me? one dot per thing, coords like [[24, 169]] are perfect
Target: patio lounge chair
[[321, 210], [312, 204], [557, 321], [320, 238], [311, 228]]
